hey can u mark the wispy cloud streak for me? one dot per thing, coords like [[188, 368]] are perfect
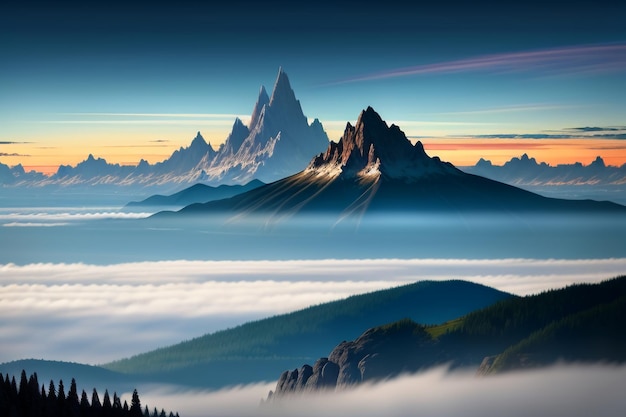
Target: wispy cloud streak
[[577, 59]]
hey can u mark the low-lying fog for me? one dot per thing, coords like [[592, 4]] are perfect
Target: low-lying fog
[[562, 391], [107, 237]]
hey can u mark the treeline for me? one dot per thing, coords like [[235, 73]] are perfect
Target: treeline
[[30, 399]]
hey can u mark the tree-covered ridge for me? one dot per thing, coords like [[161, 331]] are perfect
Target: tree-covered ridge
[[498, 327], [591, 334], [314, 330], [578, 323], [30, 399]]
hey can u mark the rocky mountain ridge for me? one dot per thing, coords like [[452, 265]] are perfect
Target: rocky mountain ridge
[[375, 168], [279, 142]]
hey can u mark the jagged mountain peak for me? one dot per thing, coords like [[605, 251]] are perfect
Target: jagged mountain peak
[[282, 87], [198, 141], [261, 102], [371, 148], [598, 162], [283, 96], [237, 136]]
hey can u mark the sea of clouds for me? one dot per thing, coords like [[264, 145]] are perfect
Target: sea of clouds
[[98, 313]]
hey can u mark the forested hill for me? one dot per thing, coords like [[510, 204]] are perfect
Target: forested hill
[[253, 351], [580, 323]]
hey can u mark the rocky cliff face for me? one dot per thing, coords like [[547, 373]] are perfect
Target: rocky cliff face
[[379, 353], [371, 149]]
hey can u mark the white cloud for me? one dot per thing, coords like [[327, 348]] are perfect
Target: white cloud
[[32, 224], [560, 391], [121, 309], [40, 217]]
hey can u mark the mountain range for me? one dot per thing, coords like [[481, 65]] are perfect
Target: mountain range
[[527, 171], [194, 194], [596, 181], [278, 142], [374, 168]]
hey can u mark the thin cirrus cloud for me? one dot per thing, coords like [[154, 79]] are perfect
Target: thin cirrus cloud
[[512, 109], [569, 60], [97, 313], [206, 119]]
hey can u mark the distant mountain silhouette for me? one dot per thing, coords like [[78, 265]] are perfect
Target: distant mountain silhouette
[[279, 142], [375, 168], [579, 323], [527, 171], [197, 193]]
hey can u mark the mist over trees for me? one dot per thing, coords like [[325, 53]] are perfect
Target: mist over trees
[[29, 398]]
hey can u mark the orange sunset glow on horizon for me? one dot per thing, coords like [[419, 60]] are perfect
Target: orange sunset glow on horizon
[[458, 151]]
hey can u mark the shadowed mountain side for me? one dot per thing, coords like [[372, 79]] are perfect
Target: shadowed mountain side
[[579, 323], [375, 168], [305, 193], [198, 193], [252, 351]]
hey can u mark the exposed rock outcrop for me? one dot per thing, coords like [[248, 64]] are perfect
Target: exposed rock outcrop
[[379, 353]]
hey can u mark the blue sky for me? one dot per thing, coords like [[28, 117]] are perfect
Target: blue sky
[[123, 80]]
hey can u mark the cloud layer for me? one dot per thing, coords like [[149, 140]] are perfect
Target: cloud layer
[[560, 391], [95, 313]]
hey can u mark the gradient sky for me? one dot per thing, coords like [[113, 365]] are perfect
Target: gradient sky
[[131, 81]]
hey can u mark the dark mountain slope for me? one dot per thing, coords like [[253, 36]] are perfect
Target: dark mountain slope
[[252, 351], [197, 193]]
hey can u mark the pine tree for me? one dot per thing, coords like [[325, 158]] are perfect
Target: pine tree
[[23, 395], [117, 406], [106, 403], [4, 397], [72, 404], [96, 407], [135, 405], [51, 403], [61, 399], [146, 412], [84, 406], [95, 400]]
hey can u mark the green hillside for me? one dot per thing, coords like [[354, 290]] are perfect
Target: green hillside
[[492, 330], [579, 323], [255, 350]]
